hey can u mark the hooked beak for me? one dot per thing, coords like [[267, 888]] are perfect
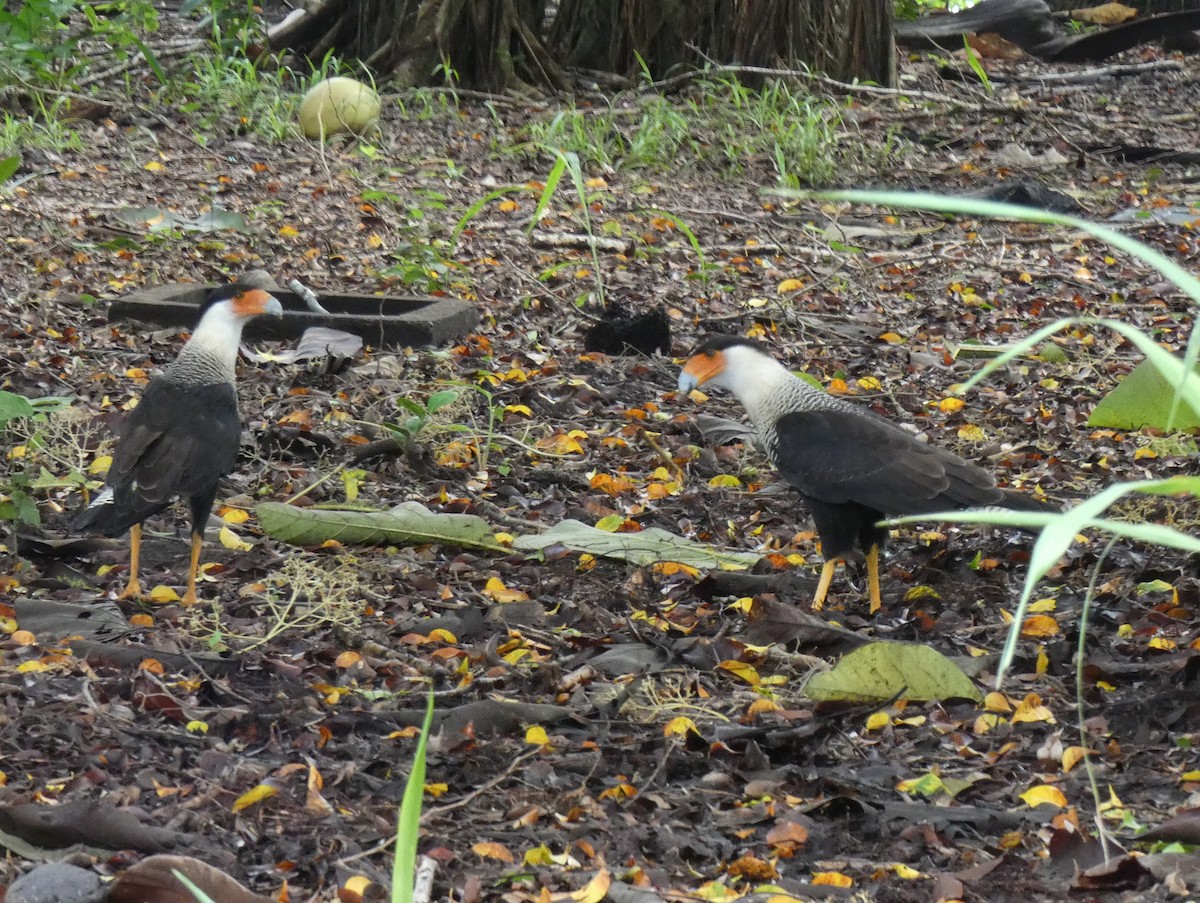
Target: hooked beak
[[700, 369], [256, 302]]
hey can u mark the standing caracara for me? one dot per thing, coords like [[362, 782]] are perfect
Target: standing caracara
[[183, 435], [852, 468]]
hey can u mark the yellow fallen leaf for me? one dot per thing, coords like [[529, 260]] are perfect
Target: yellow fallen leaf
[[540, 855], [997, 702], [1032, 710], [790, 285], [162, 594], [878, 721], [611, 523], [760, 706], [233, 542], [595, 890], [985, 724], [254, 796], [347, 659], [725, 481], [560, 444], [832, 879], [356, 884], [536, 736], [1039, 626], [1072, 756], [234, 515], [100, 465], [741, 669], [197, 727], [950, 405], [498, 592], [1044, 793], [679, 726]]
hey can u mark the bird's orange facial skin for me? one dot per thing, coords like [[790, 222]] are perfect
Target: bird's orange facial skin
[[251, 303], [705, 366]]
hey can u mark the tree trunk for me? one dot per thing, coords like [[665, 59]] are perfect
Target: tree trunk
[[501, 44], [845, 39], [491, 45]]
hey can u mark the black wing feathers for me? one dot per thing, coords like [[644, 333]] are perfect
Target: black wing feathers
[[178, 441], [843, 456]]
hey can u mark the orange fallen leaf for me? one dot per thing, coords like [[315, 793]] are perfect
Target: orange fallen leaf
[[491, 850]]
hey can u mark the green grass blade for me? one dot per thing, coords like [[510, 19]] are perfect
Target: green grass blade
[[976, 207], [1186, 282], [473, 210], [1058, 531], [552, 180], [187, 882], [408, 822]]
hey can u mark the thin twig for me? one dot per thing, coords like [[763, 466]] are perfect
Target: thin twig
[[520, 760]]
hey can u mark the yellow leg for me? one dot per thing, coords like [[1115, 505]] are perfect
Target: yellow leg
[[823, 586], [133, 588], [189, 598], [873, 578]]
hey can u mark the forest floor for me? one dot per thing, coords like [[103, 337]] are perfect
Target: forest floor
[[600, 721]]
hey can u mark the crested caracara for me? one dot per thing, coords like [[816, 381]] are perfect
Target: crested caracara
[[183, 435], [852, 468]]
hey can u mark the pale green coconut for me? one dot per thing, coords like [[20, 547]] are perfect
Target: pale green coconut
[[338, 105]]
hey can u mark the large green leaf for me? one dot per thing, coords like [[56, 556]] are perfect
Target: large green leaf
[[410, 522], [645, 547], [880, 672], [1145, 398]]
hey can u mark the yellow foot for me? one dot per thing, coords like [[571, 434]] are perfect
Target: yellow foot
[[132, 590], [188, 598]]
